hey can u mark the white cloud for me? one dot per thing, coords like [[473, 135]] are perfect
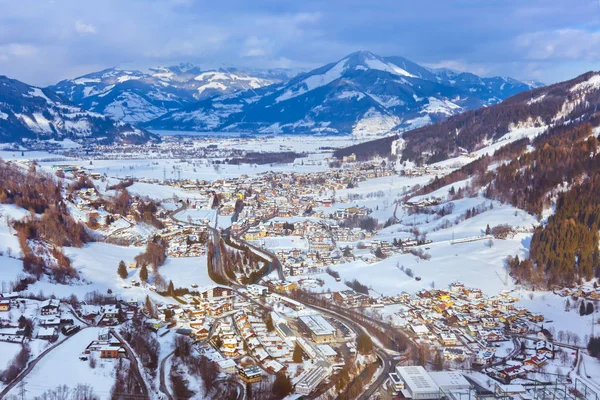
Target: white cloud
[[459, 65], [560, 44], [14, 50], [84, 28], [256, 47]]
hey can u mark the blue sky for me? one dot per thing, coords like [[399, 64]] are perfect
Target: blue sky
[[43, 41]]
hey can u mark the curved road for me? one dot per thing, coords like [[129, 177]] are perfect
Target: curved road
[[134, 363], [163, 385], [32, 365]]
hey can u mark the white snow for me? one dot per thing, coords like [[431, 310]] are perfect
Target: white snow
[[374, 122], [350, 94], [375, 63], [62, 367]]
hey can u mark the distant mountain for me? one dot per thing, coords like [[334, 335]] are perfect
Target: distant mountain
[[522, 116], [361, 94], [32, 113], [134, 96]]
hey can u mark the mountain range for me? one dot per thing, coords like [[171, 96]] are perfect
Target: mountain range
[[361, 94], [136, 97], [29, 113]]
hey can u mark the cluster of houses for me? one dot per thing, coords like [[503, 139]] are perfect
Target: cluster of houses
[[460, 322], [184, 240], [46, 316]]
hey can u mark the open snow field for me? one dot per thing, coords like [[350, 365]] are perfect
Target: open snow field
[[62, 367], [198, 215], [7, 352], [186, 271], [474, 264], [282, 243]]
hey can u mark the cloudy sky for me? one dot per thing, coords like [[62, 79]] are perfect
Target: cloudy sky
[[43, 41]]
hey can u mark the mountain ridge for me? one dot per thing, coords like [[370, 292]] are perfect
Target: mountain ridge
[[360, 94], [30, 113]]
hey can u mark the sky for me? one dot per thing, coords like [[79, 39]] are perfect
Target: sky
[[44, 41]]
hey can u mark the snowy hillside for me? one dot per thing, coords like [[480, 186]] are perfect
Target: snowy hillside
[[32, 113], [362, 94], [134, 96]]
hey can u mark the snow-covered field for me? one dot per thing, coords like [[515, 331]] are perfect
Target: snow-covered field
[[62, 367], [7, 353], [186, 271]]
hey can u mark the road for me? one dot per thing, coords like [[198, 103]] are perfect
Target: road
[[32, 365], [163, 385], [134, 363], [387, 360]]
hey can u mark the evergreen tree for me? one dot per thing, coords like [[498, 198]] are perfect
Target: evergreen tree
[[282, 386], [438, 361], [488, 230], [269, 322], [297, 356], [589, 309], [171, 288], [149, 306], [144, 273], [122, 270], [364, 344]]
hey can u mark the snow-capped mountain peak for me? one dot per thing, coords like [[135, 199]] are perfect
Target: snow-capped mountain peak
[[362, 93]]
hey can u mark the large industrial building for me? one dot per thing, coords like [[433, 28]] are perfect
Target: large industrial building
[[320, 330], [415, 382]]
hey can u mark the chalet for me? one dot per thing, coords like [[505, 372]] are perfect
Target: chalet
[[250, 374], [510, 373], [49, 307], [536, 361], [216, 291], [107, 345], [544, 347]]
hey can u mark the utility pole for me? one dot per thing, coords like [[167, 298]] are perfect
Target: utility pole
[[22, 390]]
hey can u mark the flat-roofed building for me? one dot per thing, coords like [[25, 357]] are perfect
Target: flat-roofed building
[[417, 383], [327, 351], [320, 330], [396, 383], [449, 381], [310, 380]]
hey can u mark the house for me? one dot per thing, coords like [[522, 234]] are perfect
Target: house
[[536, 361], [49, 307], [250, 374], [107, 345], [4, 305], [544, 347], [454, 354], [510, 373], [257, 290], [227, 366], [448, 338], [47, 333]]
